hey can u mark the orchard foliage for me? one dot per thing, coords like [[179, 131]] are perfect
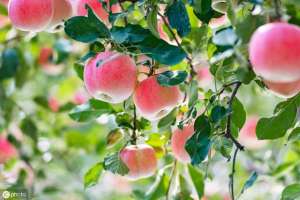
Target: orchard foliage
[[157, 92]]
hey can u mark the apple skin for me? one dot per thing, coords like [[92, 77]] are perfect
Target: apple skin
[[285, 90], [154, 101], [247, 135], [62, 11], [53, 104], [178, 140], [274, 52], [30, 15], [7, 150], [110, 77], [96, 7], [140, 160]]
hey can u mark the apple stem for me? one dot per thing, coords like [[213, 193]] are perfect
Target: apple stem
[[277, 9]]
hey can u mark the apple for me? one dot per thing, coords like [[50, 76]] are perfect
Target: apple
[[110, 77], [62, 11], [274, 52], [53, 104], [96, 6], [7, 150], [284, 89], [45, 60], [140, 160], [247, 135], [154, 101], [178, 140], [30, 15]]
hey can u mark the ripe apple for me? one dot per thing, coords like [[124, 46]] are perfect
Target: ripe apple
[[30, 15], [178, 140], [154, 101], [96, 6], [247, 135], [110, 77], [45, 60], [80, 97], [62, 10], [140, 160], [284, 89], [53, 104], [7, 150], [274, 52]]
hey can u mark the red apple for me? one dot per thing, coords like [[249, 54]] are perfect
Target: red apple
[[284, 89], [96, 7], [140, 160], [30, 15], [178, 140], [154, 101], [274, 52], [7, 150], [110, 77], [62, 11]]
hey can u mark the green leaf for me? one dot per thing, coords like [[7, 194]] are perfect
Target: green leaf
[[185, 191], [223, 146], [193, 93], [178, 18], [79, 70], [204, 11], [90, 110], [171, 78], [92, 176], [277, 126], [197, 180], [250, 181], [225, 37], [113, 137], [114, 164], [291, 192], [29, 128], [159, 187], [199, 144], [294, 135], [152, 22], [168, 120], [218, 113], [86, 29], [150, 45], [238, 113], [9, 63], [202, 124]]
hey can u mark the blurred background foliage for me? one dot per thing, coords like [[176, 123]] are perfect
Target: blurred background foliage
[[55, 151]]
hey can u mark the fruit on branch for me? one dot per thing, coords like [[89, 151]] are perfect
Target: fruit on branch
[[30, 15], [247, 135], [140, 160], [288, 89], [7, 150], [53, 104], [45, 60], [97, 7], [154, 101], [178, 140], [274, 52], [62, 10], [110, 77]]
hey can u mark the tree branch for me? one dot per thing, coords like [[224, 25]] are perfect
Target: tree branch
[[134, 135], [190, 60], [231, 183], [172, 175], [278, 13]]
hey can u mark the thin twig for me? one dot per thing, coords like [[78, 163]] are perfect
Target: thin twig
[[277, 4], [231, 184], [134, 136]]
